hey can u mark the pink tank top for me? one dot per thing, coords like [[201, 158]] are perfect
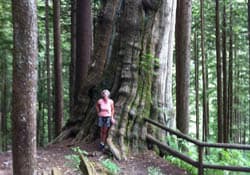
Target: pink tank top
[[105, 108]]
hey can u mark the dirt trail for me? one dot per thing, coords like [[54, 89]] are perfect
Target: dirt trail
[[54, 156]]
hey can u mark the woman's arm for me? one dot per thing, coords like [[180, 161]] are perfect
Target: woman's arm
[[112, 109]]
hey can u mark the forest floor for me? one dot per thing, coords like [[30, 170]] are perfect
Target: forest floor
[[54, 156]]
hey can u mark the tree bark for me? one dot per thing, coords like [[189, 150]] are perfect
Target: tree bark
[[4, 104], [58, 69], [230, 75], [84, 44], [24, 87], [225, 89], [204, 76], [73, 56], [218, 70], [183, 38], [248, 10], [197, 109], [48, 70], [162, 107]]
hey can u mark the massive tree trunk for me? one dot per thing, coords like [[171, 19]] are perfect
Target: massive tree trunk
[[133, 58], [24, 87], [183, 39]]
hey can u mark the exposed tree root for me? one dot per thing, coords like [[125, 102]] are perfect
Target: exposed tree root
[[116, 153]]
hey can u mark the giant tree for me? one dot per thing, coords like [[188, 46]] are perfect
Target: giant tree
[[24, 87], [132, 57]]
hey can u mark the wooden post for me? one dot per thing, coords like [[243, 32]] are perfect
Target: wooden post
[[200, 168]]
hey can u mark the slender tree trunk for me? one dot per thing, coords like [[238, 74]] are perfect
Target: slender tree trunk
[[58, 69], [40, 101], [218, 70], [39, 124], [204, 77], [197, 109], [225, 89], [183, 33], [235, 98], [24, 87], [73, 56], [230, 75], [249, 61], [3, 106], [48, 69], [207, 103]]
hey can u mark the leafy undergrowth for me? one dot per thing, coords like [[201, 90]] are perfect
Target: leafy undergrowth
[[147, 163], [111, 166], [213, 156]]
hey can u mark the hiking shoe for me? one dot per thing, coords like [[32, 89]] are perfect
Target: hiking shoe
[[101, 146]]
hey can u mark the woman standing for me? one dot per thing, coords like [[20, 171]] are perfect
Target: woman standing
[[105, 110]]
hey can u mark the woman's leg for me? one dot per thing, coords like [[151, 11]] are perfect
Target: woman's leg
[[105, 134]]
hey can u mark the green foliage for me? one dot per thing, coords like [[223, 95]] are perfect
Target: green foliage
[[228, 157], [182, 164], [111, 166], [213, 156], [241, 102], [74, 159], [147, 60], [154, 171]]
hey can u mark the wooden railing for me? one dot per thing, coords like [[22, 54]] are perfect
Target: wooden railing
[[201, 146]]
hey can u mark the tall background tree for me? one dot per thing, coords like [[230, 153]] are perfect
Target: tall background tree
[[58, 69], [6, 74], [204, 75], [48, 68], [183, 41], [225, 72], [219, 71], [24, 87]]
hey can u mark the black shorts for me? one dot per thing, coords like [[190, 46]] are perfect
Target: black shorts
[[104, 122]]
